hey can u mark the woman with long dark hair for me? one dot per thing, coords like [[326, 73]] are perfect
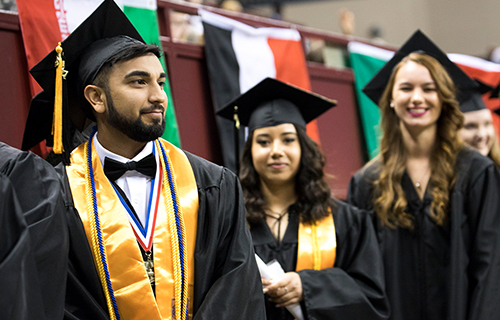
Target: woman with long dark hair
[[436, 202], [327, 248]]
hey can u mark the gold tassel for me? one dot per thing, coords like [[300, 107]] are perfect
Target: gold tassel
[[236, 118], [58, 102]]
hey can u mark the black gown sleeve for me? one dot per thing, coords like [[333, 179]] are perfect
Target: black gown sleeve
[[352, 192], [39, 191], [360, 191], [483, 205], [354, 288], [19, 283], [227, 281]]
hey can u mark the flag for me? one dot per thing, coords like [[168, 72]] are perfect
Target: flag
[[240, 56], [44, 23], [365, 62]]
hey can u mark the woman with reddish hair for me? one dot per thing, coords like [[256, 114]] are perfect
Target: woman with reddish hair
[[436, 202]]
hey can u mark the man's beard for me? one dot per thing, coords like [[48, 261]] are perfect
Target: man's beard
[[136, 129]]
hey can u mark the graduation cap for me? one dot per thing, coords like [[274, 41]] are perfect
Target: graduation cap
[[495, 93], [472, 100], [272, 102], [418, 42], [64, 73]]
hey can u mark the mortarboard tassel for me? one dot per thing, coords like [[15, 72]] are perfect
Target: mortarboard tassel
[[58, 101], [236, 139], [236, 118]]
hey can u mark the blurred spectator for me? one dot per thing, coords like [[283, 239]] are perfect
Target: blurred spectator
[[186, 28], [375, 34], [346, 21], [232, 5], [495, 55], [8, 5]]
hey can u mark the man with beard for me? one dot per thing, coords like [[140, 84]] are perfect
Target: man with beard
[[155, 232]]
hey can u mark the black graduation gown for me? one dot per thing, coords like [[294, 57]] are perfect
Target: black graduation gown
[[19, 283], [227, 281], [352, 289], [450, 272], [39, 191]]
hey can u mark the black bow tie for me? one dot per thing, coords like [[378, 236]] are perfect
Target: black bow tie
[[115, 169]]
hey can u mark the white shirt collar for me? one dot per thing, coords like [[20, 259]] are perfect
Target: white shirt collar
[[103, 152]]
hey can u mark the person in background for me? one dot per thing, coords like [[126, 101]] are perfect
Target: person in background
[[436, 202], [478, 131], [232, 5], [327, 248], [347, 22], [155, 232]]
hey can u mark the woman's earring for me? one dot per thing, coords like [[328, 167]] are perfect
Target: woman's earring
[[392, 105]]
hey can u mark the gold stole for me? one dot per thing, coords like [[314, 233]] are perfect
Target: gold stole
[[134, 296], [317, 245]]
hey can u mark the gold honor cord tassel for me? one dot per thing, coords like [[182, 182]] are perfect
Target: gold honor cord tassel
[[95, 241], [57, 118], [236, 118], [180, 292]]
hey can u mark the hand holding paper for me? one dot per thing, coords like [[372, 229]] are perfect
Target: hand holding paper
[[274, 271]]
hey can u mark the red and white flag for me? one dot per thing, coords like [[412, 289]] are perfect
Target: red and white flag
[[44, 23], [239, 56]]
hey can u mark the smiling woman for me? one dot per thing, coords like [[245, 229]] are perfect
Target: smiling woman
[[436, 202], [414, 97], [478, 131], [276, 153]]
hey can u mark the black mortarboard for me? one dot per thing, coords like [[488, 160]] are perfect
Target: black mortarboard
[[495, 93], [105, 32], [418, 42], [272, 102], [472, 100]]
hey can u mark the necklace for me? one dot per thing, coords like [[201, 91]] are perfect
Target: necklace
[[277, 216], [418, 185]]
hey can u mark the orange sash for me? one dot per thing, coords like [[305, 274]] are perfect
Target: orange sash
[[317, 245], [130, 282]]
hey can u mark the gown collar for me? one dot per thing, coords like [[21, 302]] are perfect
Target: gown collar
[[262, 235]]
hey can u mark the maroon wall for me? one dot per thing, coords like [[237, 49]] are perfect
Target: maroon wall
[[338, 127], [14, 85]]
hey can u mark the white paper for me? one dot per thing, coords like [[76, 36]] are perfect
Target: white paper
[[273, 270]]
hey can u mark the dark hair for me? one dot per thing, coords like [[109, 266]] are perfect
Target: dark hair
[[127, 54], [101, 79], [313, 193]]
